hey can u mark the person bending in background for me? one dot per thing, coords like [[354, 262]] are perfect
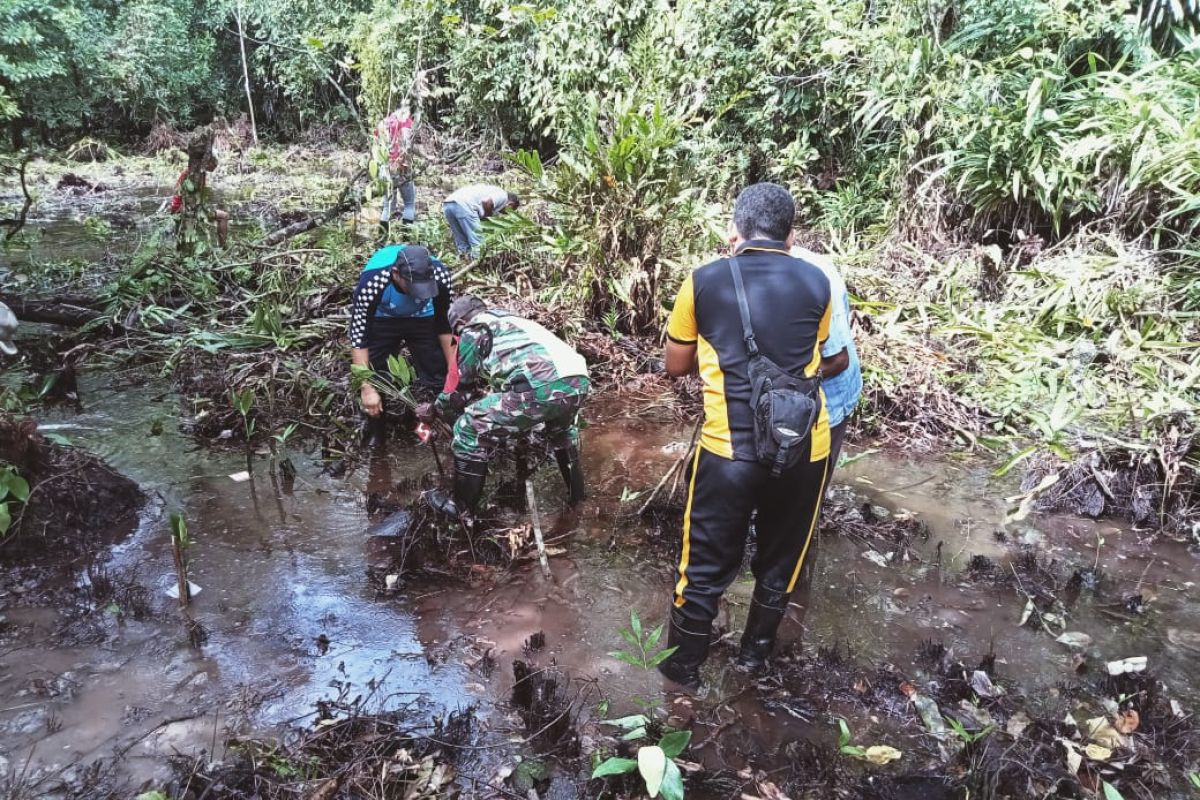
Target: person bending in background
[[393, 144], [531, 378], [466, 209], [402, 298]]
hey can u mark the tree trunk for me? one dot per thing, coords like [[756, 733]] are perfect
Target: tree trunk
[[195, 223], [246, 74]]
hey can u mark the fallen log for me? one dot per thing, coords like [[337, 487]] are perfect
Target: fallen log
[[346, 201], [70, 311]]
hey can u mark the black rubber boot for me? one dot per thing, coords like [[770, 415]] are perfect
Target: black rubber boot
[[469, 477], [691, 638], [572, 471], [767, 609], [374, 431]]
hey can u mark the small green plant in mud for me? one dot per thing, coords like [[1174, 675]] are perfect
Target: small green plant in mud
[[655, 763], [279, 441], [968, 737], [13, 490], [876, 754], [180, 541], [641, 645], [243, 402], [1194, 780]]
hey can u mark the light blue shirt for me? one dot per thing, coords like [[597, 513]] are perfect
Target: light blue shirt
[[842, 391]]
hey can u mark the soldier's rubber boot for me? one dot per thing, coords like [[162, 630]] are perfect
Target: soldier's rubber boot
[[374, 431], [572, 471], [469, 477], [691, 640], [767, 610]]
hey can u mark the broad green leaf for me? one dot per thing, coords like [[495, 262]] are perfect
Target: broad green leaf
[[1012, 462], [18, 487], [5, 519], [653, 637], [635, 622], [624, 657], [627, 723], [630, 637], [614, 766], [634, 735], [675, 743], [652, 764], [660, 656], [672, 783]]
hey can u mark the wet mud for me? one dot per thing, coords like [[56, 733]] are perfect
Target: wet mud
[[917, 589]]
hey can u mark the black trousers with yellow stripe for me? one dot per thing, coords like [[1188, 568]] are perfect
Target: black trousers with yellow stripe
[[722, 496]]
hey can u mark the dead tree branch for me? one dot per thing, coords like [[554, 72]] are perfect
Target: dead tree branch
[[15, 224], [346, 201]]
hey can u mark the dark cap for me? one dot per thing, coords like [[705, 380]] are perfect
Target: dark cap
[[462, 310], [414, 264]]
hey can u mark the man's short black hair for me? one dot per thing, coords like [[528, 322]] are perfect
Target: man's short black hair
[[514, 200], [764, 211]]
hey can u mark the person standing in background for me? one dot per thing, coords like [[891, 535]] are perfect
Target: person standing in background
[[393, 144]]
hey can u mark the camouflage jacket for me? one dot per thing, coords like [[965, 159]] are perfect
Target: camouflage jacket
[[501, 352]]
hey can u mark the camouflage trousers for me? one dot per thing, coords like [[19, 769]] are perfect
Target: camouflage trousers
[[491, 419]]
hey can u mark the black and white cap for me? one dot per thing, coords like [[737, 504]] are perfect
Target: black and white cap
[[414, 264]]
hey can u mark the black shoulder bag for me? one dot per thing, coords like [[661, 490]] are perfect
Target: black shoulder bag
[[785, 407]]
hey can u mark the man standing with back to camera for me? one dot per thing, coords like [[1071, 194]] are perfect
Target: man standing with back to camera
[[788, 310]]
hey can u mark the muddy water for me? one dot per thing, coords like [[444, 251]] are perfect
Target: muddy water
[[288, 616]]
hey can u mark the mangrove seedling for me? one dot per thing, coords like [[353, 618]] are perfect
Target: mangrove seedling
[[279, 441], [179, 544], [655, 763], [243, 402], [396, 387], [640, 654], [968, 737], [641, 644]]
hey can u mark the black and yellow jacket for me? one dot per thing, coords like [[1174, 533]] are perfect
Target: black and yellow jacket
[[790, 312]]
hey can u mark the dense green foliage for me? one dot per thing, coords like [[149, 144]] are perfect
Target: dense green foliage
[[1015, 115]]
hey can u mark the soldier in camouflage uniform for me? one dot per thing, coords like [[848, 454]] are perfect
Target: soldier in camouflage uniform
[[534, 379]]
